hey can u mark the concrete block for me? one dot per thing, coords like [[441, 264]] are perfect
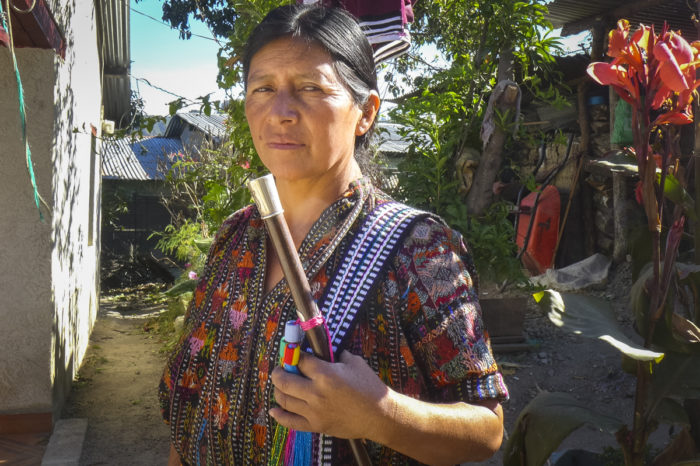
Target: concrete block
[[66, 443]]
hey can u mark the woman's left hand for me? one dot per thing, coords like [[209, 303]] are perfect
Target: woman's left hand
[[345, 399]]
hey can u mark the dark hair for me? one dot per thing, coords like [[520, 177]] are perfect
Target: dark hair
[[338, 33]]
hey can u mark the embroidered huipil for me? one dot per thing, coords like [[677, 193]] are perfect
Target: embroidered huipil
[[420, 329]]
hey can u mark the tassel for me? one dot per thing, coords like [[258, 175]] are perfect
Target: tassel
[[289, 448], [302, 449], [278, 443]]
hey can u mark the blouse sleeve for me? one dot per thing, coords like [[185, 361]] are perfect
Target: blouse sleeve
[[442, 317]]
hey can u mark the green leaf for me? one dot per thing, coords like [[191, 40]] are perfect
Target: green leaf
[[545, 422], [676, 376], [180, 288], [203, 244], [591, 317], [676, 193], [671, 412], [673, 332]]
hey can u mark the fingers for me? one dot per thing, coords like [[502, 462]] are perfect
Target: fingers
[[291, 384], [290, 420], [290, 403]]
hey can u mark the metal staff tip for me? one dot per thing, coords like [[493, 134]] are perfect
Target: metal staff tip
[[265, 194]]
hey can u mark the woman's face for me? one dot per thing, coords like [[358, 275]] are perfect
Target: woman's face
[[302, 119]]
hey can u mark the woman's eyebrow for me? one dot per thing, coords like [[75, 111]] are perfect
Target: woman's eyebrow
[[258, 76], [313, 75]]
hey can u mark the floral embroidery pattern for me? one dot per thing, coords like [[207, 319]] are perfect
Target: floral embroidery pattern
[[420, 330]]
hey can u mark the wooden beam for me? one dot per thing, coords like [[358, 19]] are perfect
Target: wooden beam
[[610, 16], [29, 423], [34, 26]]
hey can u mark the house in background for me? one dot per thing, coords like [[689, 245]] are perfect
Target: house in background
[[74, 59], [133, 180], [196, 130]]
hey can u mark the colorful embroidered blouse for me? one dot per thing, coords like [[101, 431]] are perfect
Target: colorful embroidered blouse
[[420, 329]]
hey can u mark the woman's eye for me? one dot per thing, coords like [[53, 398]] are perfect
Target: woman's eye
[[310, 88], [262, 89]]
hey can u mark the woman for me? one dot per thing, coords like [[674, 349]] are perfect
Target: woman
[[415, 376]]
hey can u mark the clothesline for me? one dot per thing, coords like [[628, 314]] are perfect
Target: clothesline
[[7, 25]]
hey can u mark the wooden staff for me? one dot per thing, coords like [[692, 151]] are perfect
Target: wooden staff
[[267, 199]]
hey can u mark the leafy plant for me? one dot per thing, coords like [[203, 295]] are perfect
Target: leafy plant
[[490, 238], [443, 115], [656, 74], [205, 188]]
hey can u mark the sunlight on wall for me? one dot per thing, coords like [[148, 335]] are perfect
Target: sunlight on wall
[[77, 98]]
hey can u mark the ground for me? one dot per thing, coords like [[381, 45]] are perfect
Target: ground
[[117, 387], [117, 390]]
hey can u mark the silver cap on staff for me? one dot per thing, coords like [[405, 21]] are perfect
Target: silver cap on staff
[[265, 194]]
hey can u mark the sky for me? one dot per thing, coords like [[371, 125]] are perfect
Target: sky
[[186, 68]]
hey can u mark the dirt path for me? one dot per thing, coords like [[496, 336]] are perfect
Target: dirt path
[[117, 393]]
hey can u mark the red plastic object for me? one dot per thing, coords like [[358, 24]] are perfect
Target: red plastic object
[[539, 252]]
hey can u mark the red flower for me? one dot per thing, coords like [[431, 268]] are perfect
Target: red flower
[[674, 54]]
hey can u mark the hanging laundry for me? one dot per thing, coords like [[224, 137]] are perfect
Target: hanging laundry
[[385, 22]]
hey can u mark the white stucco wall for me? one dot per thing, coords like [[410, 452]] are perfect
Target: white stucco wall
[[74, 271], [48, 294], [25, 242]]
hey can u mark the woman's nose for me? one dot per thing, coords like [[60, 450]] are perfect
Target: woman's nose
[[284, 108]]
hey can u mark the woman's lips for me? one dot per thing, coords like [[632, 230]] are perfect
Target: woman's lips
[[284, 145]]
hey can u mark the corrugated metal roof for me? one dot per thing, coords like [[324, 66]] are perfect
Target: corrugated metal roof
[[147, 159], [213, 124], [389, 140], [574, 16], [114, 16], [114, 28], [117, 107]]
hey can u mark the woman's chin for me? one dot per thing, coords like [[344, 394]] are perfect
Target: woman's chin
[[294, 174]]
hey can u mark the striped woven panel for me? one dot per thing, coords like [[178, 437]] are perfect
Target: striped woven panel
[[372, 247]]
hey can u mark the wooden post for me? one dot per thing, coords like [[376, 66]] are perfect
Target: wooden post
[[586, 192], [620, 216], [598, 37]]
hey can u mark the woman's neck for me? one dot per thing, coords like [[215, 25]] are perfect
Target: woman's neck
[[304, 200]]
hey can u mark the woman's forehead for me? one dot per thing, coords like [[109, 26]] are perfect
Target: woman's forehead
[[289, 54]]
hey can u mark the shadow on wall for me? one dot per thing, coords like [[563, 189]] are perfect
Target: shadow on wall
[[74, 262]]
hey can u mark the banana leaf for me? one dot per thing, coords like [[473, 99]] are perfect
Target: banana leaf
[[673, 331], [677, 376], [670, 411], [545, 422], [677, 193], [591, 317]]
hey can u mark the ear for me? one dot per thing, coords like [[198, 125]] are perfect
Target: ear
[[369, 113]]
